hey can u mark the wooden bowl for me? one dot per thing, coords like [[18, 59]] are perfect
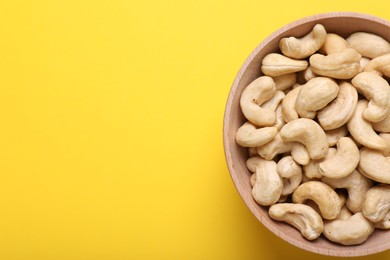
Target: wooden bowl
[[342, 23]]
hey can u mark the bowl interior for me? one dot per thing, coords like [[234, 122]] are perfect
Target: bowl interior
[[342, 23]]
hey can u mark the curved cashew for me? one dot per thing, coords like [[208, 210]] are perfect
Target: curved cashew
[[291, 174], [376, 204], [324, 196], [357, 186], [314, 95], [274, 101], [253, 162], [299, 153], [374, 165], [333, 43], [268, 186], [285, 81], [275, 64], [368, 44], [313, 205], [377, 90], [364, 62], [380, 65], [340, 110], [382, 126], [333, 136], [288, 105], [249, 136], [340, 65], [279, 117], [361, 129], [311, 169], [343, 162], [384, 223], [273, 148], [350, 231], [309, 133], [302, 217], [305, 46], [253, 96]]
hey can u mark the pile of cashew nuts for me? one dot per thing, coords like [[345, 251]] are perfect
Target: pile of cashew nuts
[[318, 134]]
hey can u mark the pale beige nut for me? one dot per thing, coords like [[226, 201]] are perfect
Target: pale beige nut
[[339, 65], [376, 204], [279, 118], [273, 148], [340, 110], [386, 138], [345, 213], [343, 162], [285, 81], [248, 135], [275, 64], [299, 153], [253, 96], [333, 44], [309, 133], [384, 223], [308, 74], [323, 195], [314, 95], [288, 105], [356, 185], [253, 179], [380, 65], [311, 170], [364, 62], [377, 91], [305, 46], [268, 186], [300, 216], [349, 231], [368, 44], [382, 126], [253, 162], [374, 165], [274, 102], [291, 173], [361, 129], [333, 136]]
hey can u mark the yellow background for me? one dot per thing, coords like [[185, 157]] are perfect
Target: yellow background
[[111, 127]]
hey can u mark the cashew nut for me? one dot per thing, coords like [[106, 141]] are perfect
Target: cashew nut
[[268, 186], [343, 162], [279, 117], [340, 65], [368, 44], [314, 95], [299, 153], [333, 44], [311, 169], [384, 223], [380, 65], [340, 110], [291, 174], [285, 81], [253, 96], [376, 204], [274, 101], [302, 217], [249, 136], [308, 74], [350, 231], [357, 186], [382, 126], [364, 62], [345, 213], [386, 138], [313, 205], [333, 136], [305, 46], [275, 64], [377, 90], [273, 148], [288, 105], [324, 196], [361, 129], [253, 162], [309, 133], [374, 165]]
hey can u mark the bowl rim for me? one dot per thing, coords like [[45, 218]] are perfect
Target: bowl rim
[[343, 251]]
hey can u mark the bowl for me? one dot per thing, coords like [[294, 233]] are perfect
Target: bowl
[[342, 23]]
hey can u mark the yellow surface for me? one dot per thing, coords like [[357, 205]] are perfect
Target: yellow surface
[[111, 127]]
